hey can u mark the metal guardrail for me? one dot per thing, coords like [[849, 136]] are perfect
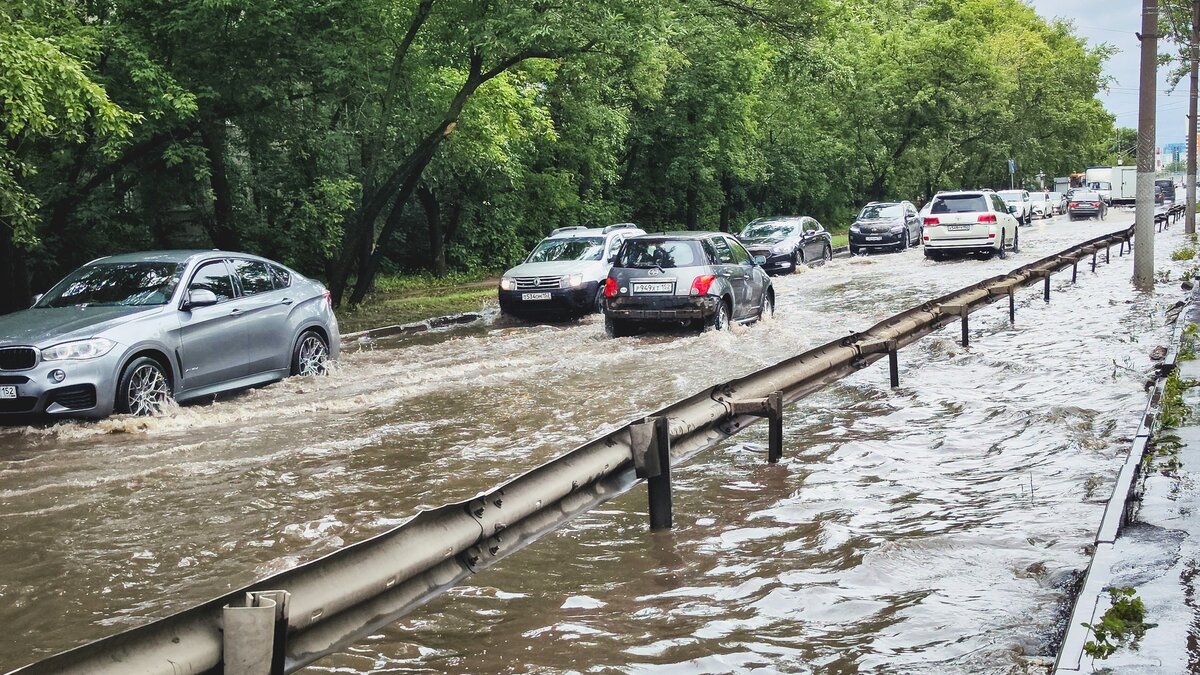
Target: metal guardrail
[[286, 621]]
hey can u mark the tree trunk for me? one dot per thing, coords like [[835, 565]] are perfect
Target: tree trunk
[[223, 231], [437, 240], [15, 291]]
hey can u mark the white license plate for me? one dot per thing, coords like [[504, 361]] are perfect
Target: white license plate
[[958, 228], [535, 296], [8, 392], [664, 287], [874, 238]]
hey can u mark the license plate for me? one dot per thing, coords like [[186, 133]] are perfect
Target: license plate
[[535, 296], [958, 228], [8, 392], [874, 238], [662, 287]]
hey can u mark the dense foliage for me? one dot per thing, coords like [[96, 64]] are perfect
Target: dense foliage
[[349, 137]]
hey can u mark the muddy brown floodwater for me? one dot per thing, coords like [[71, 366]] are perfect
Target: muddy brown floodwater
[[932, 526]]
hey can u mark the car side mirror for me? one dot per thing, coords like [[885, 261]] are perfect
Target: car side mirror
[[1012, 209], [760, 260], [35, 299], [200, 297], [612, 259]]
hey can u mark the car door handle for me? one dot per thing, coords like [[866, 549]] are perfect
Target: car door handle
[[235, 312], [286, 301]]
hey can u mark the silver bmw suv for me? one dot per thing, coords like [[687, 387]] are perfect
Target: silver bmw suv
[[128, 333]]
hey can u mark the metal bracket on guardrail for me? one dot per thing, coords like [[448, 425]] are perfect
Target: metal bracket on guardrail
[[650, 440], [892, 348], [255, 634], [963, 311], [771, 408]]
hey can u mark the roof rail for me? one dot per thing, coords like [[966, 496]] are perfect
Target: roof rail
[[569, 228], [619, 226]]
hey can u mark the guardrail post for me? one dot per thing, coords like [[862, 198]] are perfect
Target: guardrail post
[[894, 366], [771, 408], [1012, 305], [650, 440], [1074, 271], [1093, 261], [1046, 288], [255, 634], [1107, 253]]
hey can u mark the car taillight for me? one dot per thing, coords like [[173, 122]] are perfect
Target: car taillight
[[930, 220], [328, 298], [1072, 205], [987, 218], [610, 288], [1096, 204], [701, 284]]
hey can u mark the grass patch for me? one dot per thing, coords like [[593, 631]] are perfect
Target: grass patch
[[841, 239], [1183, 253], [1123, 624]]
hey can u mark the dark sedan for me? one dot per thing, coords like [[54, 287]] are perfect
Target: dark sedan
[[1087, 205], [684, 278], [786, 242], [885, 225]]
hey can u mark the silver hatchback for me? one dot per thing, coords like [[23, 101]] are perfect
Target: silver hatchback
[[696, 278], [128, 333]]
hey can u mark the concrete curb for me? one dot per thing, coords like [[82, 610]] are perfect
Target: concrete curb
[[1117, 512], [415, 327]]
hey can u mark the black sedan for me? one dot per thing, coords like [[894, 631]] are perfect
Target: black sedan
[[786, 242], [1086, 205], [885, 225]]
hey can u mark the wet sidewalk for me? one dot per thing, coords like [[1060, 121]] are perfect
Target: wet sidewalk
[[1140, 592]]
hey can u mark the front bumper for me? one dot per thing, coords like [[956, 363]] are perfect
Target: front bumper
[[562, 302], [663, 308], [876, 239], [777, 263], [87, 391]]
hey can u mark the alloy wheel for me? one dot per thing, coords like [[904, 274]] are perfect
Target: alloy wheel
[[314, 356], [148, 391]]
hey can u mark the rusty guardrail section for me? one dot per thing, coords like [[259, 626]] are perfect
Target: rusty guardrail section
[[288, 620]]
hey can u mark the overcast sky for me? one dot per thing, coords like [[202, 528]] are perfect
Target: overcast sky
[[1114, 22]]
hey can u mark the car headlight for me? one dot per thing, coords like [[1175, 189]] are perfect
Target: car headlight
[[79, 350], [897, 229], [574, 280], [507, 283], [780, 248], [854, 228]]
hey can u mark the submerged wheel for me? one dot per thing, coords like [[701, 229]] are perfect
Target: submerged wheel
[[143, 389], [1016, 247], [768, 306], [1001, 252], [720, 318], [311, 355], [827, 253], [617, 328]]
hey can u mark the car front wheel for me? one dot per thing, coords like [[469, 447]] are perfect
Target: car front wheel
[[311, 355], [143, 389], [827, 254], [768, 306]]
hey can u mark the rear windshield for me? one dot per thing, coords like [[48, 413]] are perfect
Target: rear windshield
[[1086, 196], [664, 253], [1100, 185], [959, 204]]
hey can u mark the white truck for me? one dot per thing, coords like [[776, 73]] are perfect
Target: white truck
[[1124, 184], [1100, 179]]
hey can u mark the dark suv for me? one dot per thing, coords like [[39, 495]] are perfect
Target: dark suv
[[685, 278], [787, 242]]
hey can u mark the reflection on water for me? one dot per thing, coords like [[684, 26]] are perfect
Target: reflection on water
[[933, 525]]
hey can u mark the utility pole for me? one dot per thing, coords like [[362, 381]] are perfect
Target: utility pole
[[1143, 241], [1189, 183]]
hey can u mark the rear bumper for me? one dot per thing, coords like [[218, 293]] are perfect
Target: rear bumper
[[666, 308], [963, 244], [563, 302], [1084, 212]]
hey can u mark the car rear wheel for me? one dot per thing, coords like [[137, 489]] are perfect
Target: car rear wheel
[[1001, 252], [143, 389], [720, 318], [617, 328], [1016, 247], [311, 355]]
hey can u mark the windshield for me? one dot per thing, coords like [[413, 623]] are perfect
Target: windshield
[[644, 253], [1010, 195], [959, 204], [133, 284], [576, 248], [875, 211], [769, 228], [1100, 185]]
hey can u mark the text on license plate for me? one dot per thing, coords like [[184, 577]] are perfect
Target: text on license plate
[[874, 238], [958, 228], [661, 287], [535, 296], [8, 392]]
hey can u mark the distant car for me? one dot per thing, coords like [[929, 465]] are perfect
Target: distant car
[[685, 278], [1168, 188], [787, 242], [885, 225], [976, 221], [1023, 202], [1087, 205], [1159, 196], [128, 333], [1045, 204], [563, 277]]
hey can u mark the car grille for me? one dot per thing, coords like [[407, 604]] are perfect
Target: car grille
[[79, 397], [536, 283], [17, 358], [22, 404]]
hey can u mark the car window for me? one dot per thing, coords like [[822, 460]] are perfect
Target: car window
[[213, 276], [567, 248], [739, 253], [280, 277], [811, 225], [959, 204], [872, 211], [132, 284], [724, 253], [253, 276], [998, 204], [664, 253], [614, 246]]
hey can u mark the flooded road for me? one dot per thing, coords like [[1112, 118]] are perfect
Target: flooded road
[[933, 524]]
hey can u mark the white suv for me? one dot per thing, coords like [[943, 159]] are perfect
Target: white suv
[[1021, 200], [970, 221]]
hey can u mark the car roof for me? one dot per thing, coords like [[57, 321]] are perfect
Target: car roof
[[176, 256], [964, 193], [581, 231], [682, 234]]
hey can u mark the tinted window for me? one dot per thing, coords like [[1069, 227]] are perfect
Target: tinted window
[[739, 253], [998, 204], [213, 277], [770, 228], [881, 211], [959, 204], [724, 253], [130, 284], [280, 276], [575, 248], [664, 253], [253, 275]]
